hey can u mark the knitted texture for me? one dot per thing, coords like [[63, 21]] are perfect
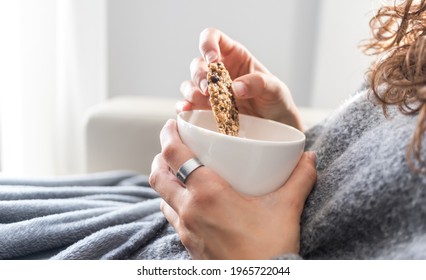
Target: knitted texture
[[367, 203]]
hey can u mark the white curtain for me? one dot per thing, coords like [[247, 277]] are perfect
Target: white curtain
[[55, 53]]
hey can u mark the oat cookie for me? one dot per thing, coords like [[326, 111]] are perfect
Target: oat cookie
[[222, 99]]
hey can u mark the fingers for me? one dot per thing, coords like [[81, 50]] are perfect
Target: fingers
[[302, 180], [170, 214], [166, 183], [216, 46], [194, 97], [209, 44], [199, 69], [183, 106], [253, 85], [175, 153], [213, 44]]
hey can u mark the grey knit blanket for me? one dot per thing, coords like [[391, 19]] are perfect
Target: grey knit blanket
[[112, 215], [367, 203]]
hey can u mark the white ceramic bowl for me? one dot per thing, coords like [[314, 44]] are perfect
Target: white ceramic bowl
[[257, 162]]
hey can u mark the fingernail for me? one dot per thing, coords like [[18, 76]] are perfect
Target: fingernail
[[211, 56], [203, 86], [240, 88]]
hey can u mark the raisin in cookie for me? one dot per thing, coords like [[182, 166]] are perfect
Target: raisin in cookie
[[222, 99]]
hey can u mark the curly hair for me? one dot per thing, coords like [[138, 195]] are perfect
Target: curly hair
[[398, 77]]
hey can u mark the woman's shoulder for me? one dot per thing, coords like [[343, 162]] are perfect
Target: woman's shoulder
[[360, 124], [354, 115], [364, 182]]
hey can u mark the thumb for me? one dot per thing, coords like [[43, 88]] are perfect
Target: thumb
[[255, 84], [301, 181]]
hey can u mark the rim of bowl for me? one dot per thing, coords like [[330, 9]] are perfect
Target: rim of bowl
[[241, 139]]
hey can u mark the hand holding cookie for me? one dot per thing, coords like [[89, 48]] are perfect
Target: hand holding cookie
[[257, 92]]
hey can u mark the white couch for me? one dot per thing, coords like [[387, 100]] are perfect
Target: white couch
[[123, 132]]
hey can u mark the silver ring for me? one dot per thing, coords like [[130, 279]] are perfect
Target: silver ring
[[187, 168]]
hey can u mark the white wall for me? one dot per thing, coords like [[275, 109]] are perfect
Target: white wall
[[151, 43], [309, 44], [339, 62]]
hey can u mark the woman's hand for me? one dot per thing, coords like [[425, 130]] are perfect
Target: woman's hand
[[214, 221], [256, 90]]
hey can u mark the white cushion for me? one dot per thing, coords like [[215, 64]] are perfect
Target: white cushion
[[123, 132]]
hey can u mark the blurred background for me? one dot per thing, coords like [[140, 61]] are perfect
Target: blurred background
[[62, 57]]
